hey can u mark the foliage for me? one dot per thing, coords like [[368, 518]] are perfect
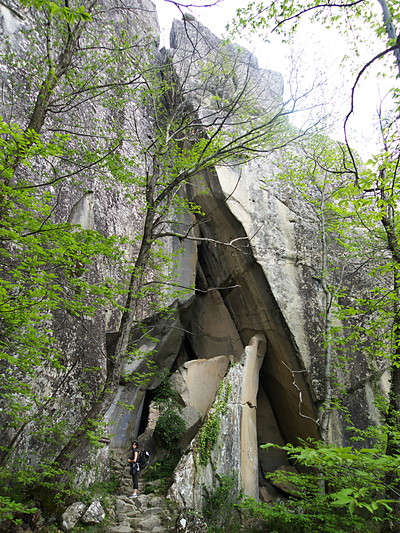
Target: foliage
[[308, 516], [170, 426], [318, 175], [369, 194], [99, 489], [78, 104], [220, 505], [284, 17], [17, 485], [208, 435], [46, 267], [63, 12], [9, 508], [164, 467], [165, 393], [162, 472], [343, 489], [352, 489]]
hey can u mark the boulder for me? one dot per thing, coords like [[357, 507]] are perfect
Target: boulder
[[72, 515], [210, 314], [146, 439], [197, 381], [193, 419], [286, 486], [190, 415], [264, 495], [95, 513], [235, 454]]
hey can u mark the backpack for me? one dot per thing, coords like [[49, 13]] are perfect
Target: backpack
[[143, 459]]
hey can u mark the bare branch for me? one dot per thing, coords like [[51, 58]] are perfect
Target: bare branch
[[181, 5], [312, 8], [365, 67], [206, 239]]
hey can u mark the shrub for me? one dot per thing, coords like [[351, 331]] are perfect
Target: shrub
[[220, 509], [170, 427], [162, 471], [344, 490]]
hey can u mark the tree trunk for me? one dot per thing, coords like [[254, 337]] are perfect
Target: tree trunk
[[393, 412], [325, 410]]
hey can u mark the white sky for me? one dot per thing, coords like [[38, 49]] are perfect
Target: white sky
[[317, 52]]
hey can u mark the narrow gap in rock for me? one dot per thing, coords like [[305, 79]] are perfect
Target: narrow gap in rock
[[185, 353], [149, 396]]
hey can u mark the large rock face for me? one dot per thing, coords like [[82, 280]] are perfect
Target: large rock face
[[81, 193], [259, 284], [251, 316]]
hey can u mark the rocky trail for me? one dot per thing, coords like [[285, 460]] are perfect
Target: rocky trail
[[146, 513]]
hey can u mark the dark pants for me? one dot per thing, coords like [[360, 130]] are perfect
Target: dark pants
[[135, 476]]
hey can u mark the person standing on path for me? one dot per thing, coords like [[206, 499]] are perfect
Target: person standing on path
[[134, 467]]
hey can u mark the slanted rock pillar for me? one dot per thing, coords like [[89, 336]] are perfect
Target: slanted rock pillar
[[254, 356]]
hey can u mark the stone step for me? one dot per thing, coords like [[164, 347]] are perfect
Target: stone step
[[153, 510], [157, 501], [134, 520], [147, 524], [136, 515], [120, 529]]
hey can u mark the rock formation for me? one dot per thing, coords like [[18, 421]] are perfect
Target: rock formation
[[249, 322]]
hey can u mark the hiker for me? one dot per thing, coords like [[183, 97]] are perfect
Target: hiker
[[134, 467]]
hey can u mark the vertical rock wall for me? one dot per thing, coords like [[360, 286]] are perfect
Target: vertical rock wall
[[92, 196]]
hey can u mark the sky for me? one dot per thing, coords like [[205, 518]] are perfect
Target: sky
[[317, 51]]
